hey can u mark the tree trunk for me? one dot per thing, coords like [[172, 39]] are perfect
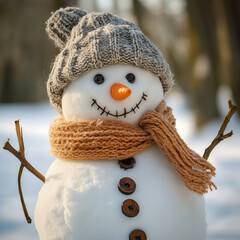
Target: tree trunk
[[203, 80], [140, 12], [26, 52], [232, 12]]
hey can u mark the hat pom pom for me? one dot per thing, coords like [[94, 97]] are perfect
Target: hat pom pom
[[60, 24]]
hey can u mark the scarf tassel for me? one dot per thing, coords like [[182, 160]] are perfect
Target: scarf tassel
[[195, 171]]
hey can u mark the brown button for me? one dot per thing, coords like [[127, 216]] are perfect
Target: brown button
[[127, 163], [130, 208], [137, 235], [126, 186]]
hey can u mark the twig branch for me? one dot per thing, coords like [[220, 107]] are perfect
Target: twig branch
[[220, 135], [20, 154], [29, 220]]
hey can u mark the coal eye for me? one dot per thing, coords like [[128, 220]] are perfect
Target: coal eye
[[130, 77], [99, 79]]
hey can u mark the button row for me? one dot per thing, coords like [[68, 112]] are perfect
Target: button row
[[130, 208]]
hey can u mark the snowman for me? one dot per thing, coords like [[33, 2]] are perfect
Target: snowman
[[121, 170]]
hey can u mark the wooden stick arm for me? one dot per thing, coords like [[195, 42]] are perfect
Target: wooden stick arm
[[28, 219], [220, 135], [7, 146], [24, 163]]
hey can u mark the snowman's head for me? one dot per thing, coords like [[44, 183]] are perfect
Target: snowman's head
[[116, 92], [107, 68]]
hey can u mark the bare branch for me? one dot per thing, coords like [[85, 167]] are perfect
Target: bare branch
[[227, 135], [24, 163], [29, 220], [19, 136], [7, 146], [220, 135]]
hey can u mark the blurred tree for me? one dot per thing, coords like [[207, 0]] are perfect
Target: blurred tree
[[214, 39], [139, 10], [142, 16], [232, 13], [202, 79], [25, 50]]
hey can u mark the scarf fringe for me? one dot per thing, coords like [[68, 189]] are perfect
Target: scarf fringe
[[195, 171]]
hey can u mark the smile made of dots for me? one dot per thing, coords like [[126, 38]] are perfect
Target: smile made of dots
[[103, 109]]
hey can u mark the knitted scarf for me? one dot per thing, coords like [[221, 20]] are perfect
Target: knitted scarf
[[108, 139]]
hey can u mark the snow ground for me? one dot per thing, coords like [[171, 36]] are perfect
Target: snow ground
[[223, 205]]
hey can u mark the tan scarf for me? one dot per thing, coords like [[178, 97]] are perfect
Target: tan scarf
[[107, 139]]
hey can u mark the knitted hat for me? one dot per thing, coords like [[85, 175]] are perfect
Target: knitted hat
[[93, 40]]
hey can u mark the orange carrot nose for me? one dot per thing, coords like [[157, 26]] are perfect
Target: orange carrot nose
[[119, 91]]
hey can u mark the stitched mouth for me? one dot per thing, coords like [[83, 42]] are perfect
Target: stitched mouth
[[125, 112]]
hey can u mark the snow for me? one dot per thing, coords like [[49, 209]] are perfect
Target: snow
[[223, 205]]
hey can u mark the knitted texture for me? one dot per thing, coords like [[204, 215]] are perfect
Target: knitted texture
[[93, 40], [108, 139]]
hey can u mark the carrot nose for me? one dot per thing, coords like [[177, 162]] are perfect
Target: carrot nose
[[119, 91]]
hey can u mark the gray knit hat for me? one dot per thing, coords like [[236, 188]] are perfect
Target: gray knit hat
[[94, 40]]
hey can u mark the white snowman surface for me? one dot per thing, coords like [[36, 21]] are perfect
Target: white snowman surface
[[80, 200]]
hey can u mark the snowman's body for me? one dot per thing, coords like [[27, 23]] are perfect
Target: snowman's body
[[81, 200]]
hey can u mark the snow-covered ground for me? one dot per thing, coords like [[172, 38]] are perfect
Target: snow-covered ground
[[223, 205]]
